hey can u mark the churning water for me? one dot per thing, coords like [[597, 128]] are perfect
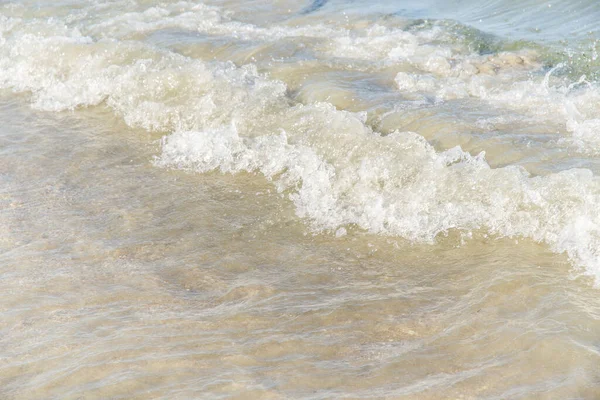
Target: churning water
[[326, 199]]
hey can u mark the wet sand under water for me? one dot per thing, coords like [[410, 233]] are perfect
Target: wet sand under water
[[275, 200], [122, 280]]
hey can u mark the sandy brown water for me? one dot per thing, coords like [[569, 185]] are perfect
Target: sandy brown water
[[275, 200], [122, 280]]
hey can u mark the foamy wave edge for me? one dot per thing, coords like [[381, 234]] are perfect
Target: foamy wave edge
[[334, 168]]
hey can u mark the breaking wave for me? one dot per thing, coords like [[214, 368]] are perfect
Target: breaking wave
[[337, 169]]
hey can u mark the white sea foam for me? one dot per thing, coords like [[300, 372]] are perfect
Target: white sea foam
[[398, 185], [336, 170], [511, 85]]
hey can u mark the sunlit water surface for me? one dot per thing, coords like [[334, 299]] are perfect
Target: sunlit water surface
[[340, 199]]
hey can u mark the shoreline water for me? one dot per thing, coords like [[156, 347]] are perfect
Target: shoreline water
[[197, 205]]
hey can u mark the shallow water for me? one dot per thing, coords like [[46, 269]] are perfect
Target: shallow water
[[298, 200]]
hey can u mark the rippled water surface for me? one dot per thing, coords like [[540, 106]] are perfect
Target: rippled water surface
[[326, 199]]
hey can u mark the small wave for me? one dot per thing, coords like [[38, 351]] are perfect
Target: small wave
[[330, 163]]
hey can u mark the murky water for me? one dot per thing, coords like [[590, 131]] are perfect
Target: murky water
[[318, 200]]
